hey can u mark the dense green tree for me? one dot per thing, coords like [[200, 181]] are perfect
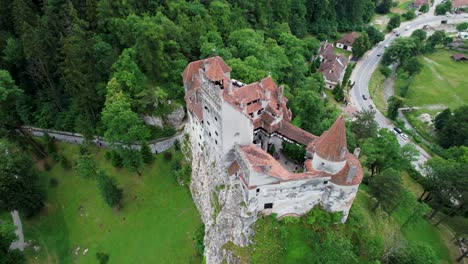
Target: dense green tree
[[86, 166], [375, 36], [19, 182], [109, 190], [361, 45], [400, 50], [462, 26], [383, 151], [9, 97], [410, 14], [338, 93], [387, 188], [384, 6], [128, 74], [146, 153], [424, 8], [394, 103], [121, 123], [412, 66], [453, 129], [297, 21], [420, 34], [7, 236], [364, 125], [443, 8], [293, 151], [394, 22]]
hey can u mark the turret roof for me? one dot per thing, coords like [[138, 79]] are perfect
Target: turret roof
[[331, 145]]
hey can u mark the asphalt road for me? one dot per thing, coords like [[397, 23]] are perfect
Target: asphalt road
[[368, 64]]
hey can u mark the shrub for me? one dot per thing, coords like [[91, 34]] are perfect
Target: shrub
[[47, 166], [116, 159], [103, 258], [110, 192], [177, 145], [198, 237], [146, 153], [410, 14], [50, 144], [108, 155], [424, 8], [53, 182], [84, 149], [386, 71], [167, 156], [293, 151], [66, 164]]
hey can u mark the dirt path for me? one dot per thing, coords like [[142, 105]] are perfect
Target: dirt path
[[17, 244]]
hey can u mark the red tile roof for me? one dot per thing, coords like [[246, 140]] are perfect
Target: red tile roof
[[459, 3], [233, 168], [348, 39], [292, 132], [459, 56], [332, 144]]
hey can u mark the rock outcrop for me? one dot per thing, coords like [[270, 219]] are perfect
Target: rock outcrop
[[176, 118], [153, 121], [219, 200]]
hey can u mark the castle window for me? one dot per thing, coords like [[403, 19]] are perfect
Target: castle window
[[199, 136], [216, 118], [325, 182], [209, 134], [251, 115], [208, 122], [258, 189], [268, 206], [216, 142], [216, 133]]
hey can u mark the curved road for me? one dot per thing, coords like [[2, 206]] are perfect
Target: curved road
[[368, 64]]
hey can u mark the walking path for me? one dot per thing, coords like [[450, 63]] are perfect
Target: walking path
[[156, 146], [17, 244]]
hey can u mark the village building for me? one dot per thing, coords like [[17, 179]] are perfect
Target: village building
[[332, 66], [458, 4], [241, 122], [346, 42], [418, 3], [460, 57]]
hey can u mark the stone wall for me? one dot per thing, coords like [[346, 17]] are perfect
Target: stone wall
[[156, 146]]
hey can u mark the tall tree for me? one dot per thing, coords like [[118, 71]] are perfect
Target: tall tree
[[387, 188], [9, 97], [7, 236], [111, 193], [364, 125], [361, 45], [19, 182]]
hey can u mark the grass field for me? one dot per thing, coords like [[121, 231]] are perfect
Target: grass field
[[155, 225], [441, 83], [376, 91]]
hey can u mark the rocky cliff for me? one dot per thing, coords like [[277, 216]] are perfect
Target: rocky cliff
[[221, 205]]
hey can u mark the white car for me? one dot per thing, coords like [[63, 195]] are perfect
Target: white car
[[407, 28], [404, 136]]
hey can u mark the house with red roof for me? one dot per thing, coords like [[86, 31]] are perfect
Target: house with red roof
[[332, 66], [239, 123], [346, 42]]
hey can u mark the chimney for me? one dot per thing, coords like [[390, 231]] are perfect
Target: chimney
[[268, 94], [357, 151], [351, 173], [342, 152], [230, 87], [279, 94]]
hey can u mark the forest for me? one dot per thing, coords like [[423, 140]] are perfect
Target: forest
[[66, 63]]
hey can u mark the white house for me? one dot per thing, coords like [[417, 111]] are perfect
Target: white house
[[346, 42], [241, 122]]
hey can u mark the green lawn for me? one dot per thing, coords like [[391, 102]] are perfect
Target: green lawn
[[441, 83], [155, 225], [376, 91]]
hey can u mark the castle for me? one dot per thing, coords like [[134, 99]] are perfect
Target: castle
[[240, 123]]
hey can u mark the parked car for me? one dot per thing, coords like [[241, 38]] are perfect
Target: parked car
[[407, 28], [364, 97], [379, 54], [397, 130], [386, 46], [443, 21], [404, 136]]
